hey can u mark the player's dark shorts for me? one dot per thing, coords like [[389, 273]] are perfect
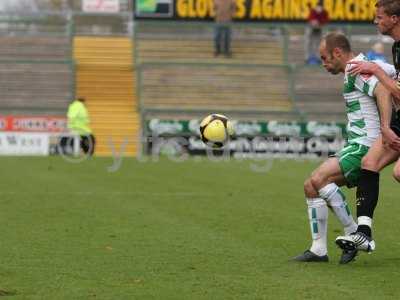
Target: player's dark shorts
[[395, 122]]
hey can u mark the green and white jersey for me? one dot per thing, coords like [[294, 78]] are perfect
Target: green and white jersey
[[363, 125]]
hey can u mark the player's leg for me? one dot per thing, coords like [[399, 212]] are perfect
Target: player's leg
[[317, 211], [378, 157], [349, 160], [396, 171], [345, 173], [326, 180], [372, 163], [323, 177], [395, 126]]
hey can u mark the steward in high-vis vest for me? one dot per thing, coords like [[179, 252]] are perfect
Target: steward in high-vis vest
[[78, 123]]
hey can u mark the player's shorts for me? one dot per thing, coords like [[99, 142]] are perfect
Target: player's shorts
[[395, 122], [350, 162]]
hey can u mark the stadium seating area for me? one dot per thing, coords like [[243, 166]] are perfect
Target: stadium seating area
[[30, 88], [250, 45], [318, 94], [180, 77], [35, 48], [215, 88], [36, 74]]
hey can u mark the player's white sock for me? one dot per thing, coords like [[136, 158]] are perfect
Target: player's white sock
[[318, 216], [364, 220], [337, 201]]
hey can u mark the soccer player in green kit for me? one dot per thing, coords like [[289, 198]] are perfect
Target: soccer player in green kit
[[368, 105]]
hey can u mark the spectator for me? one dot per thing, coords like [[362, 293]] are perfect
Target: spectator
[[317, 19], [78, 123], [224, 12], [377, 52]]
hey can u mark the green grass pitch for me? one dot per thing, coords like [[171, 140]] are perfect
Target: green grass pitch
[[168, 230]]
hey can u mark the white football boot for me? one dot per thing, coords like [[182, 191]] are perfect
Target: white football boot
[[356, 240]]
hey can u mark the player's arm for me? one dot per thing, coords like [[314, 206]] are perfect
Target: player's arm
[[384, 103], [364, 67]]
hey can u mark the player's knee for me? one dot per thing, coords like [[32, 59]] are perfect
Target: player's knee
[[307, 185], [369, 163], [309, 190], [317, 181]]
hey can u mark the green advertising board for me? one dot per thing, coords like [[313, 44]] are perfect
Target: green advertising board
[[250, 128]]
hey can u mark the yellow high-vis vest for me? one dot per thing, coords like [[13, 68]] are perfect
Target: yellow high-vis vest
[[78, 118]]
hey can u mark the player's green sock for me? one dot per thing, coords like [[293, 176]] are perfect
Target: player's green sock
[[337, 201], [318, 217]]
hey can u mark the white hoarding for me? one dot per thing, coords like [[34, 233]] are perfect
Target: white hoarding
[[20, 143]]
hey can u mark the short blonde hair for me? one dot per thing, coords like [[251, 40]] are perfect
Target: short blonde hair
[[337, 40]]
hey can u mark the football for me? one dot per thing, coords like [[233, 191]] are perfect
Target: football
[[216, 130]]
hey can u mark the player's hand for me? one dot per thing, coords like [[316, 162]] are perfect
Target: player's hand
[[390, 138], [363, 67]]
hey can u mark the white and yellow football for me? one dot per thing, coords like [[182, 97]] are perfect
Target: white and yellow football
[[216, 130]]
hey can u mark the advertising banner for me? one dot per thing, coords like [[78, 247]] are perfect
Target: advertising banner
[[257, 10], [252, 128], [3, 123], [101, 6], [33, 123], [18, 143], [249, 147], [30, 135], [155, 9], [272, 138]]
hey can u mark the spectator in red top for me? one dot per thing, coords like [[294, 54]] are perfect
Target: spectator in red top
[[317, 18]]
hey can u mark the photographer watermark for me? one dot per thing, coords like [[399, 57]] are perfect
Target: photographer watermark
[[75, 148], [259, 151]]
